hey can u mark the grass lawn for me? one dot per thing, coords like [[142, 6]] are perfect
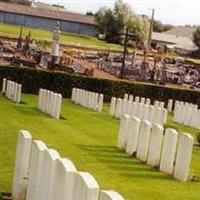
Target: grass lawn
[[89, 139], [67, 38]]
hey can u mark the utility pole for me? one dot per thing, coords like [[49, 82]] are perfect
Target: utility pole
[[124, 53], [151, 29]]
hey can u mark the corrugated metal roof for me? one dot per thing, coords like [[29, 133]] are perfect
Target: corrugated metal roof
[[46, 13]]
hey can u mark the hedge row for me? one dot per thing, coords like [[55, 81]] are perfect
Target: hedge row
[[33, 79]]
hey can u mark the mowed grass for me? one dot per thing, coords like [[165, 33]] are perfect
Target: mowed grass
[[66, 38], [89, 139]]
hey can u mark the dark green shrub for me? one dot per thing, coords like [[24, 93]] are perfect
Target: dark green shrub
[[198, 137], [33, 79]]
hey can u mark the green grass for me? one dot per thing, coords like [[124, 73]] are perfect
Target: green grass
[[67, 38], [89, 139]]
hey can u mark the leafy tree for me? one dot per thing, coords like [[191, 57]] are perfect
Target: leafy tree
[[160, 27], [113, 23], [90, 13], [196, 37]]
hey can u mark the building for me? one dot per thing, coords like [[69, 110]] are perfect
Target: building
[[184, 31], [41, 17], [180, 43]]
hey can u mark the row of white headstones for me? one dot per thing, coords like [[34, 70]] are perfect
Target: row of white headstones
[[41, 174], [187, 114], [50, 102], [164, 149], [91, 100], [142, 109], [12, 90]]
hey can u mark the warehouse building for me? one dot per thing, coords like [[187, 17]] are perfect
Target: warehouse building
[[40, 17]]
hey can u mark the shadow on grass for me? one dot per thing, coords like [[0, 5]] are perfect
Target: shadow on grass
[[23, 103], [122, 163]]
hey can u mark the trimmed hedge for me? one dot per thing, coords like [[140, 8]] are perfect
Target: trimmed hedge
[[33, 79]]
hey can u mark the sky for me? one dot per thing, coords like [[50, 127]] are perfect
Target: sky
[[177, 12]]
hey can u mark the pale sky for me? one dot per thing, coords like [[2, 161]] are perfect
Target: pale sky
[[178, 12]]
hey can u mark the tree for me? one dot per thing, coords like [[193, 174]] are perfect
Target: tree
[[115, 22], [196, 37], [160, 27], [90, 13]]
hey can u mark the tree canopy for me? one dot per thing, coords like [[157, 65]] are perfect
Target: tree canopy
[[196, 37], [114, 22], [160, 27]]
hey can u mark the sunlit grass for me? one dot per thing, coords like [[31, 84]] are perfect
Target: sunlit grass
[[89, 138]]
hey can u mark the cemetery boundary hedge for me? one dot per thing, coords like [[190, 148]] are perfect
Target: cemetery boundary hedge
[[33, 79]]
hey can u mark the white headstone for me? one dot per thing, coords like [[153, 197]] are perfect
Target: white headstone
[[48, 171], [151, 113], [184, 157], [148, 101], [123, 132], [19, 91], [131, 97], [40, 99], [143, 140], [170, 105], [112, 106], [4, 85], [142, 100], [133, 133], [86, 187], [64, 177], [155, 147], [100, 103], [126, 97], [168, 151], [36, 160], [137, 99], [110, 195], [21, 165], [118, 110], [58, 105]]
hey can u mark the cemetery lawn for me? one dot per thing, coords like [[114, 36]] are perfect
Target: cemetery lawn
[[89, 139], [66, 38]]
